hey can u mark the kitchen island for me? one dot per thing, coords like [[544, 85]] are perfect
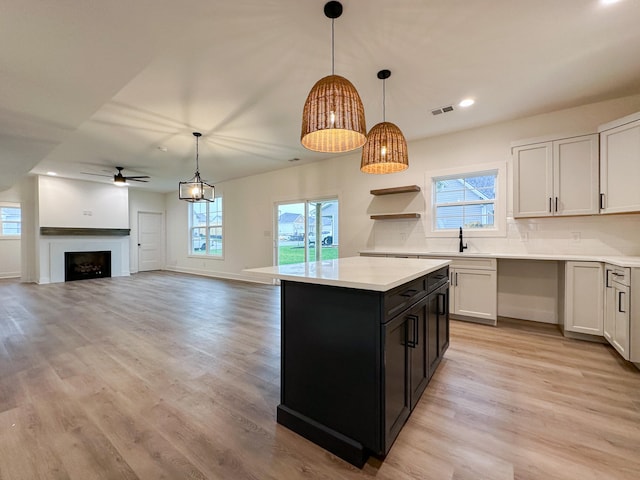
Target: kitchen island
[[361, 338]]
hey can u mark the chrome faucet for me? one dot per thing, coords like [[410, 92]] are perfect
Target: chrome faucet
[[462, 245]]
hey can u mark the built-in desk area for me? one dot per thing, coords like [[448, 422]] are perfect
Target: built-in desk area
[[591, 297]]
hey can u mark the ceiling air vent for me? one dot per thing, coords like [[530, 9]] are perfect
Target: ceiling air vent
[[438, 111]]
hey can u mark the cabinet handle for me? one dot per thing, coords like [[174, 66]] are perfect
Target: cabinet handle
[[412, 343], [556, 204], [606, 278], [409, 293], [442, 309], [549, 204], [456, 279], [620, 303], [602, 201]]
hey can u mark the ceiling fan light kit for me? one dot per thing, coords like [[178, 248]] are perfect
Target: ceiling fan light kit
[[386, 147], [122, 181], [195, 189], [333, 115]]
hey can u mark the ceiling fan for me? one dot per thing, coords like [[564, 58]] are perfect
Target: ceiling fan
[[120, 179]]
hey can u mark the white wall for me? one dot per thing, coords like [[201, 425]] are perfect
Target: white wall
[[141, 201], [9, 258], [249, 204], [75, 203]]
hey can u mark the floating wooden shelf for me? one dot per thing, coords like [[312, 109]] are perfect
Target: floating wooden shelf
[[393, 216], [389, 191]]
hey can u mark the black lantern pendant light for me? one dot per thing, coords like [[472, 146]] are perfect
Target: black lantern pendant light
[[386, 147], [333, 115], [196, 189]]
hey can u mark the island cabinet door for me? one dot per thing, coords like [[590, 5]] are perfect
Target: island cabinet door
[[442, 306], [396, 386], [418, 345], [433, 330]]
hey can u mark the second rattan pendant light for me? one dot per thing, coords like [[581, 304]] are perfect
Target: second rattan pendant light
[[386, 147], [333, 115]]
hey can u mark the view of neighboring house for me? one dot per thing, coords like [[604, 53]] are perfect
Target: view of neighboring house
[[467, 202], [291, 226]]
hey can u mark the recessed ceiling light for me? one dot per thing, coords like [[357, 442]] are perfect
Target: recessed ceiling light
[[467, 102], [52, 174], [608, 2]]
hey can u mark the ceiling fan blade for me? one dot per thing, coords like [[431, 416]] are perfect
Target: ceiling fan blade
[[138, 176], [135, 179], [96, 174]]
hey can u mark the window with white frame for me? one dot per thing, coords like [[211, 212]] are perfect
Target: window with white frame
[[10, 220], [472, 198], [206, 228]]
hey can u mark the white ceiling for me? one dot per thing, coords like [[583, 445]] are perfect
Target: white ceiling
[[89, 85]]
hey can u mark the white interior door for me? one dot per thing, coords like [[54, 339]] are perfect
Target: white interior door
[[149, 241]]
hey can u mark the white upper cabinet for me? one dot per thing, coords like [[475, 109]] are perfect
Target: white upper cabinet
[[620, 165], [533, 180], [558, 177]]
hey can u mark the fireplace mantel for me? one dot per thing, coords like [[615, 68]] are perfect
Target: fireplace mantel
[[94, 232]]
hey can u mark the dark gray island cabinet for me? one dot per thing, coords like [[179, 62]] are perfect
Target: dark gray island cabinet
[[360, 341]]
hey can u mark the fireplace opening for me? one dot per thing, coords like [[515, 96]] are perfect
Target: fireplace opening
[[84, 265]]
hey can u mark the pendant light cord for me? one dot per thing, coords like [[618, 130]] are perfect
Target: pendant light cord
[[197, 155], [333, 49], [384, 101]]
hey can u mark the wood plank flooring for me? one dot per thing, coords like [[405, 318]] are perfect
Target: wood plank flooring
[[168, 376]]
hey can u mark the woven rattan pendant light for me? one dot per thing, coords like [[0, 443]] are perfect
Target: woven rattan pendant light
[[333, 115], [386, 147]]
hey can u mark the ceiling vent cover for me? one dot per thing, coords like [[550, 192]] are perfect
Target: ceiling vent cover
[[438, 111]]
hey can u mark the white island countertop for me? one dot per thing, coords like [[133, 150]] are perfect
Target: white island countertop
[[366, 273]]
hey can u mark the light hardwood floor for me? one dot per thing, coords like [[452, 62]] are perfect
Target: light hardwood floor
[[168, 376]]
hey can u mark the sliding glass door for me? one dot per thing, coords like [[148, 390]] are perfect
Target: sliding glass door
[[307, 231]]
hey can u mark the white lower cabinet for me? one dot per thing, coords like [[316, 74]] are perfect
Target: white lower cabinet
[[473, 293], [616, 308], [583, 299]]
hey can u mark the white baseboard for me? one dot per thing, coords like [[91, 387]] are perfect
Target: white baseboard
[[9, 274], [513, 311]]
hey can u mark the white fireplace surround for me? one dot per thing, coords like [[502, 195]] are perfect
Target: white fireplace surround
[[52, 255]]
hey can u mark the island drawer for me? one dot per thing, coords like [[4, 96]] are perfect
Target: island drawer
[[401, 298], [437, 278]]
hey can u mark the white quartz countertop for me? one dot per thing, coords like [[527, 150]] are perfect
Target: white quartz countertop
[[620, 261], [366, 273]]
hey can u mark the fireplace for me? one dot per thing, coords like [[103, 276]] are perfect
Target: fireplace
[[84, 265]]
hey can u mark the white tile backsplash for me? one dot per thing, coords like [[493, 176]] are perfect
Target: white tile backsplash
[[598, 235]]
